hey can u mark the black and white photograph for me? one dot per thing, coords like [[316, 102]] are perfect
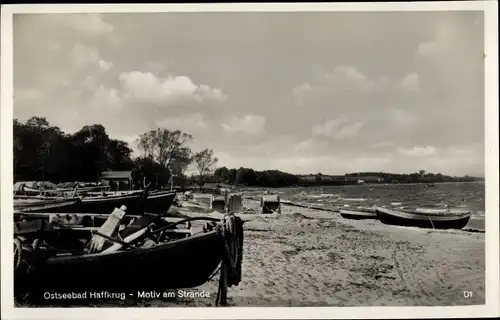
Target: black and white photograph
[[230, 158]]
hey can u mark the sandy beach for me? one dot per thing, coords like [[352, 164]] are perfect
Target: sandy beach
[[315, 258], [306, 257]]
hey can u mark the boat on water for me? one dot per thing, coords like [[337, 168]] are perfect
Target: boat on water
[[148, 260], [424, 218], [359, 213]]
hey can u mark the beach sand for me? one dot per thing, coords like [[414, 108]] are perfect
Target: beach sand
[[314, 258], [306, 257]]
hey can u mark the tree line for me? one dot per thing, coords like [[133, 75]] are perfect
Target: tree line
[[43, 152], [250, 177]]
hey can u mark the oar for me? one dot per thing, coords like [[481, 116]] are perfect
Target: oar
[[108, 228], [133, 231], [125, 242]]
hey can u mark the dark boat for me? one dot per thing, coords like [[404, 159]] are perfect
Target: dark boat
[[66, 237], [178, 264], [52, 205], [184, 263], [106, 204], [159, 202], [136, 202], [359, 213], [440, 219]]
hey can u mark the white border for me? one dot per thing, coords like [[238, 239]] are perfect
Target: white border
[[491, 309]]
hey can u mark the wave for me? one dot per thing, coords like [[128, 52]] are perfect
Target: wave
[[354, 199], [479, 214]]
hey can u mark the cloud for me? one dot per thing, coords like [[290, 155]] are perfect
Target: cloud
[[411, 82], [186, 123], [302, 89], [402, 117], [337, 129], [422, 84], [349, 77], [26, 94], [309, 145], [430, 48], [107, 98], [350, 130], [338, 164], [105, 66], [146, 87], [382, 144], [328, 127], [452, 160], [90, 24], [248, 124], [346, 79], [418, 151], [444, 40], [83, 57]]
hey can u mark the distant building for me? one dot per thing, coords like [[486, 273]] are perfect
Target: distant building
[[349, 179], [371, 179], [308, 178], [118, 180]]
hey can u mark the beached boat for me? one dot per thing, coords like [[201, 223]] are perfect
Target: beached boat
[[137, 202], [105, 204], [182, 263], [437, 219], [66, 237], [358, 213], [159, 202], [41, 205], [161, 265]]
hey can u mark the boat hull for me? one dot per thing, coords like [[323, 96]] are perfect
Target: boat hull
[[358, 214], [159, 202], [53, 205], [154, 203], [184, 263], [402, 218]]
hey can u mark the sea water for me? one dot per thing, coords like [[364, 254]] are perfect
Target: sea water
[[468, 196]]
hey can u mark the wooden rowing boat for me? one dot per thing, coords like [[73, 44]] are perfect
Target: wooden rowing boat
[[53, 205], [163, 265], [182, 263], [359, 213], [136, 203], [159, 202], [437, 220]]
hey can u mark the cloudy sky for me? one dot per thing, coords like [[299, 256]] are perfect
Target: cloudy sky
[[299, 92]]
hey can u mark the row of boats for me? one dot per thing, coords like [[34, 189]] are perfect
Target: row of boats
[[435, 218], [119, 242]]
